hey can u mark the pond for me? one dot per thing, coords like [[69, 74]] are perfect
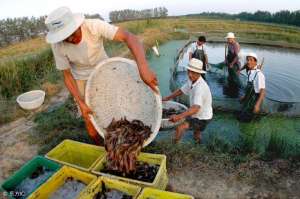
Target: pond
[[282, 71], [281, 67]]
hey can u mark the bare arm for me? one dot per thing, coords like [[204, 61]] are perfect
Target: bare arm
[[237, 50], [176, 93], [242, 68], [136, 48], [206, 59], [261, 97], [190, 55], [191, 111], [72, 87]]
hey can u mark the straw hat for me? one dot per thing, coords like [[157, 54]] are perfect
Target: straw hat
[[230, 35], [196, 65], [252, 55], [61, 23]]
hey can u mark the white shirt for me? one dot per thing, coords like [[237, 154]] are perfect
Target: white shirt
[[199, 94], [194, 46], [83, 57], [259, 81]]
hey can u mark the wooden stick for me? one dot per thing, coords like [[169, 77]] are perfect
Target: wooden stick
[[225, 59], [262, 63]]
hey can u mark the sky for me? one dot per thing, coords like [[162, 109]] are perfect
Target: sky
[[20, 8]]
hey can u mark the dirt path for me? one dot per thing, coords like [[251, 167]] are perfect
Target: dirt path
[[15, 147], [255, 180]]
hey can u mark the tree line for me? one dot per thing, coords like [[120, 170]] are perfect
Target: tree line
[[17, 29], [281, 17], [13, 30], [129, 14]]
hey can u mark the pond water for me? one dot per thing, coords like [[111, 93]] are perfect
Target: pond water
[[282, 71], [281, 67]]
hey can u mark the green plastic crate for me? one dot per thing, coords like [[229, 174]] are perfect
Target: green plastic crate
[[24, 172]]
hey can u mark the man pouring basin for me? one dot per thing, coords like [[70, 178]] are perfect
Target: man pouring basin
[[77, 45], [200, 112]]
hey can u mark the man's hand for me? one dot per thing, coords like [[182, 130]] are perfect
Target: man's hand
[[242, 99], [256, 109], [150, 79], [137, 49], [175, 118], [164, 99], [85, 110]]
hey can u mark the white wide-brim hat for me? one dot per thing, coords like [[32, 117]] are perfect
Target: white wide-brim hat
[[230, 35], [62, 23], [196, 65]]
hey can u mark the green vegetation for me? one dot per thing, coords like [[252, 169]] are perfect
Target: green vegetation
[[24, 73], [23, 48], [129, 14], [21, 74], [281, 17], [58, 124], [268, 138]]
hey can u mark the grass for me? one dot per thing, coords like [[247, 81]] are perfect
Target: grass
[[272, 136], [58, 124], [269, 138], [23, 48], [24, 73]]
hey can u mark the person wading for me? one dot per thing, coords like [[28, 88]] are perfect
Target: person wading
[[77, 45], [200, 112], [254, 91], [233, 66], [197, 50]]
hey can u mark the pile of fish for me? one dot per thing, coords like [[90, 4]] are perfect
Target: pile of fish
[[106, 193], [144, 172], [123, 143], [171, 111]]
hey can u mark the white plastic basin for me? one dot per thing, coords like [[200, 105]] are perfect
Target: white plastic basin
[[165, 123], [31, 100]]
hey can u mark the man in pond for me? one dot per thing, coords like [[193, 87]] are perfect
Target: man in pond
[[197, 50], [77, 45], [233, 65], [254, 91], [200, 112]]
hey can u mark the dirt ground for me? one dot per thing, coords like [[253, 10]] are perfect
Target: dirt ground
[[203, 182], [200, 178]]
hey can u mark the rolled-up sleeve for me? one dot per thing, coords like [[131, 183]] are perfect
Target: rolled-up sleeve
[[61, 61]]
